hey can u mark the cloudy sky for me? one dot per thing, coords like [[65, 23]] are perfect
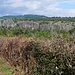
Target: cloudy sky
[[51, 8]]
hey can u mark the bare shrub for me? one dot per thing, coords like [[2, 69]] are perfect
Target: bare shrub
[[39, 57]]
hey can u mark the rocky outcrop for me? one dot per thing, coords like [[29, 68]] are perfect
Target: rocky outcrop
[[28, 24], [37, 25], [8, 23], [0, 24]]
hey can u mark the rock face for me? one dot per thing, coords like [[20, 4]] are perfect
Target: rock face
[[8, 23], [0, 24], [61, 27], [36, 25], [28, 24]]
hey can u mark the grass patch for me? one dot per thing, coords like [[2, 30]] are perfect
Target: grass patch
[[4, 67]]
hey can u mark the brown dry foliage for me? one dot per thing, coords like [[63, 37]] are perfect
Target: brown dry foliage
[[19, 52]]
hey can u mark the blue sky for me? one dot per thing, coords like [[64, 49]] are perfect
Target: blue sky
[[51, 8]]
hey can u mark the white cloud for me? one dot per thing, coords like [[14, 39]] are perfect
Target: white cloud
[[33, 5], [22, 3], [14, 3], [68, 1], [71, 12], [44, 7]]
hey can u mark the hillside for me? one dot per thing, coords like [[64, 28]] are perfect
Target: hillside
[[37, 46], [39, 23], [24, 16]]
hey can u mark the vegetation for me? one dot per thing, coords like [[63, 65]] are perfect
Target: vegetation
[[39, 57], [31, 51], [24, 16], [56, 19], [18, 31], [5, 68], [39, 18]]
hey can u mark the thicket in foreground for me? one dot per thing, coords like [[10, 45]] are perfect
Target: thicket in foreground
[[30, 57]]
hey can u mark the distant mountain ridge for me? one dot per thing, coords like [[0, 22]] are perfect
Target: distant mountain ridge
[[25, 16]]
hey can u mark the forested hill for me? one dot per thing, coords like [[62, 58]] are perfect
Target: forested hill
[[39, 17], [24, 16]]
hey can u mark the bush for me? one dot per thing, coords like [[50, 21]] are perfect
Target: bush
[[38, 57]]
